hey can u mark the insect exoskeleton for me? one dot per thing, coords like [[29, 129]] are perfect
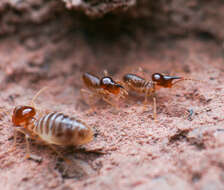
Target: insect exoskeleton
[[53, 128], [105, 88], [166, 81], [138, 84]]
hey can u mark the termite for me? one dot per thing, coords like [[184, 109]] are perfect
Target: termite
[[138, 84], [52, 129], [105, 88]]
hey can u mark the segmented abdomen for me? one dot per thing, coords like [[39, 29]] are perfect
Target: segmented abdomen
[[60, 129], [137, 83], [91, 81]]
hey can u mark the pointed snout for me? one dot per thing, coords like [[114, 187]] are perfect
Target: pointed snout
[[119, 86], [171, 77]]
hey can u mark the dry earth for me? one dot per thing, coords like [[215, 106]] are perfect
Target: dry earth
[[130, 150]]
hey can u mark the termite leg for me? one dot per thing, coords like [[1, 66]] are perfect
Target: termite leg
[[110, 102], [120, 96], [14, 138], [106, 96], [59, 154], [27, 147], [154, 105], [28, 154], [91, 96], [146, 100], [154, 109], [83, 92], [14, 141], [91, 110], [15, 132]]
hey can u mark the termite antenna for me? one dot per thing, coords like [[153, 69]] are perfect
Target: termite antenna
[[37, 94], [183, 79]]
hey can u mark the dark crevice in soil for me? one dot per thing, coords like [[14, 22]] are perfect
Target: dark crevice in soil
[[80, 165], [179, 136], [182, 135]]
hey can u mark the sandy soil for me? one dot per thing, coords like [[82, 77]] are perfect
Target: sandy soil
[[130, 150], [178, 151]]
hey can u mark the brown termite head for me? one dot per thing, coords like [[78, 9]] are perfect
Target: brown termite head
[[164, 81], [22, 114], [25, 114], [107, 83]]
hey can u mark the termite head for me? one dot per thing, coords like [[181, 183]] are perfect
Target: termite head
[[165, 81], [110, 85], [22, 114]]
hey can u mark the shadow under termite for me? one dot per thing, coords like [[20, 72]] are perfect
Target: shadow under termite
[[80, 163]]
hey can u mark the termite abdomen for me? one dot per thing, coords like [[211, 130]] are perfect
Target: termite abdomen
[[134, 80], [91, 81], [59, 129]]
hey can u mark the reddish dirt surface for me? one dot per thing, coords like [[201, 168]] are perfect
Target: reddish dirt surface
[[130, 150], [177, 152]]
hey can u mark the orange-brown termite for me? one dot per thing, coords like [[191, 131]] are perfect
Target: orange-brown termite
[[105, 88], [138, 84], [52, 129]]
